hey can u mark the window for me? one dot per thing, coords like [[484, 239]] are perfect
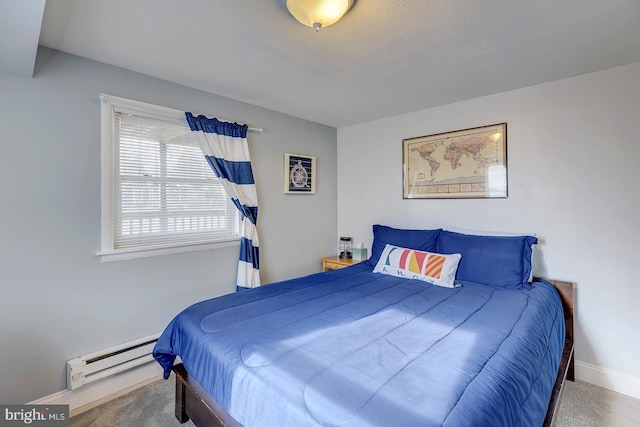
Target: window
[[159, 193]]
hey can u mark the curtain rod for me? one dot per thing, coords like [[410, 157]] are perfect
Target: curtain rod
[[249, 129], [130, 103]]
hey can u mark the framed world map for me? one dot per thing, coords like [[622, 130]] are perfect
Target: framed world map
[[469, 163]]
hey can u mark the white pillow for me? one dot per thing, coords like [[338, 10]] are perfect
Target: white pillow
[[437, 269]]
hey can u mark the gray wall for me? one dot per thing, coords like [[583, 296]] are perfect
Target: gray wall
[[573, 156], [58, 300]]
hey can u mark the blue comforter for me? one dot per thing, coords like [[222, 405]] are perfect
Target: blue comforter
[[356, 348]]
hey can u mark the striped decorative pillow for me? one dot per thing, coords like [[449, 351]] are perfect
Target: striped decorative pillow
[[437, 269]]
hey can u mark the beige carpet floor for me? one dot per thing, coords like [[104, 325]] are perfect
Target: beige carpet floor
[[582, 405], [586, 405]]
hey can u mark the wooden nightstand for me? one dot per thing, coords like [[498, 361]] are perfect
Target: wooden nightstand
[[335, 263]]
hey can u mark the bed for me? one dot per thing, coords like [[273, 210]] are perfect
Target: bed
[[437, 328]]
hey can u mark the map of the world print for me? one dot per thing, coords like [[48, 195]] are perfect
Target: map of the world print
[[461, 164]]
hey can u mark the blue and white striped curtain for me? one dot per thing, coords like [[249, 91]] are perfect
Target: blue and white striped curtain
[[225, 147]]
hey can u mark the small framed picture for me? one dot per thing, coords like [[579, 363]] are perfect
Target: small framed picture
[[299, 174]]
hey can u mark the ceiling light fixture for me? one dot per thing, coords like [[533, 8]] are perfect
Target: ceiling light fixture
[[318, 13]]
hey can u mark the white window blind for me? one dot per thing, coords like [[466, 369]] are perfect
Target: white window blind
[[164, 193]]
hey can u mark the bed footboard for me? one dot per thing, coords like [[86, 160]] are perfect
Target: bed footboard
[[194, 403]]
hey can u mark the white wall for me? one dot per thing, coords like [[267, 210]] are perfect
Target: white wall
[[57, 300], [573, 176]]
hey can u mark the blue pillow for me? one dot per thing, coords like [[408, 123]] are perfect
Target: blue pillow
[[503, 261], [422, 240]]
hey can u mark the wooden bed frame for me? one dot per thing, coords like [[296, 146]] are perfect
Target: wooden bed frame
[[193, 402]]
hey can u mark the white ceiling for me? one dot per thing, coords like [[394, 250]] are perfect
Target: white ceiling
[[384, 58]]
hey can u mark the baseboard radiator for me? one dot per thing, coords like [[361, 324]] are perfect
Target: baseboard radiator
[[96, 366]]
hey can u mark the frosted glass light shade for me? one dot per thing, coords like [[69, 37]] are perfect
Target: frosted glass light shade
[[318, 13]]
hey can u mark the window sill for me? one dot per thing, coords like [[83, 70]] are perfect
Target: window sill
[[133, 253]]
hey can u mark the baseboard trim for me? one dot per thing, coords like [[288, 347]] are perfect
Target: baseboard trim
[[607, 378], [102, 391], [85, 398]]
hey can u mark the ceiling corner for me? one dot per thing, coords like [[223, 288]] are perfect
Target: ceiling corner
[[20, 24]]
